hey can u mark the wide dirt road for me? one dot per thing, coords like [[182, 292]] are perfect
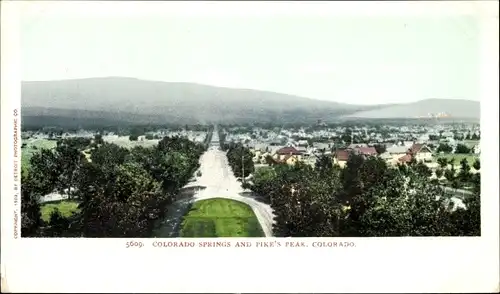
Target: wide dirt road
[[217, 181]]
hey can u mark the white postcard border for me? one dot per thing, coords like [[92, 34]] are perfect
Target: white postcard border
[[374, 265]]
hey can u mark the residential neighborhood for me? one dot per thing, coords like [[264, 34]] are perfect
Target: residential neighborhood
[[395, 144]]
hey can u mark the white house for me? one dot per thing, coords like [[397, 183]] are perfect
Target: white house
[[421, 152], [477, 149]]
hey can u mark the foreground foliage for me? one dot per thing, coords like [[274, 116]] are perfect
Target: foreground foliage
[[121, 192], [367, 198]]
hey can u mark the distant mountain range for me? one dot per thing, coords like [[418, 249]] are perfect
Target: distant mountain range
[[454, 108], [128, 100]]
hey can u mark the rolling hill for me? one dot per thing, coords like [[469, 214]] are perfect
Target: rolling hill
[[128, 100], [181, 102], [455, 108]]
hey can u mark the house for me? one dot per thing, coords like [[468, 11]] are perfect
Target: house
[[423, 138], [390, 145], [405, 159], [447, 135], [274, 149], [263, 156], [260, 147], [340, 157], [257, 157], [421, 152], [289, 159], [302, 143], [311, 160], [477, 149], [357, 145], [285, 151], [301, 149], [397, 152], [387, 157], [322, 146], [408, 144], [366, 151]]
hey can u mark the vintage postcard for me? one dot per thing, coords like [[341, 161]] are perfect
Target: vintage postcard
[[249, 147]]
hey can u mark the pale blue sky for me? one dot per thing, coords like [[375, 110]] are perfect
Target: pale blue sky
[[363, 60]]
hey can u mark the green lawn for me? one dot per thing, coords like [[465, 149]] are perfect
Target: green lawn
[[220, 217], [458, 157], [66, 207], [33, 146]]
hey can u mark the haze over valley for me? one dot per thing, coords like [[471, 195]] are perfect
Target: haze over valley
[[130, 100]]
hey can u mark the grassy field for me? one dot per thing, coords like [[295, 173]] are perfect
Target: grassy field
[[458, 157], [33, 146], [124, 141], [66, 207], [220, 218]]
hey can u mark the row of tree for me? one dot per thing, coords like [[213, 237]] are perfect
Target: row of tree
[[121, 192], [240, 159], [459, 149], [210, 133], [464, 178], [367, 198]]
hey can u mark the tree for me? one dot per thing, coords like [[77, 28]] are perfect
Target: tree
[[108, 155], [173, 162], [422, 169], [462, 149], [78, 143], [124, 192], [44, 172], [98, 139], [451, 162], [136, 132], [57, 168], [351, 177], [124, 208], [240, 160], [303, 204], [443, 162], [30, 208], [346, 137], [69, 160], [444, 148], [380, 148], [262, 182], [324, 163], [439, 173], [269, 160], [133, 137], [58, 224], [477, 164], [449, 174], [464, 174], [476, 183]]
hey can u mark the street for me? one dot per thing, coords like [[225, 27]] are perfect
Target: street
[[216, 181]]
